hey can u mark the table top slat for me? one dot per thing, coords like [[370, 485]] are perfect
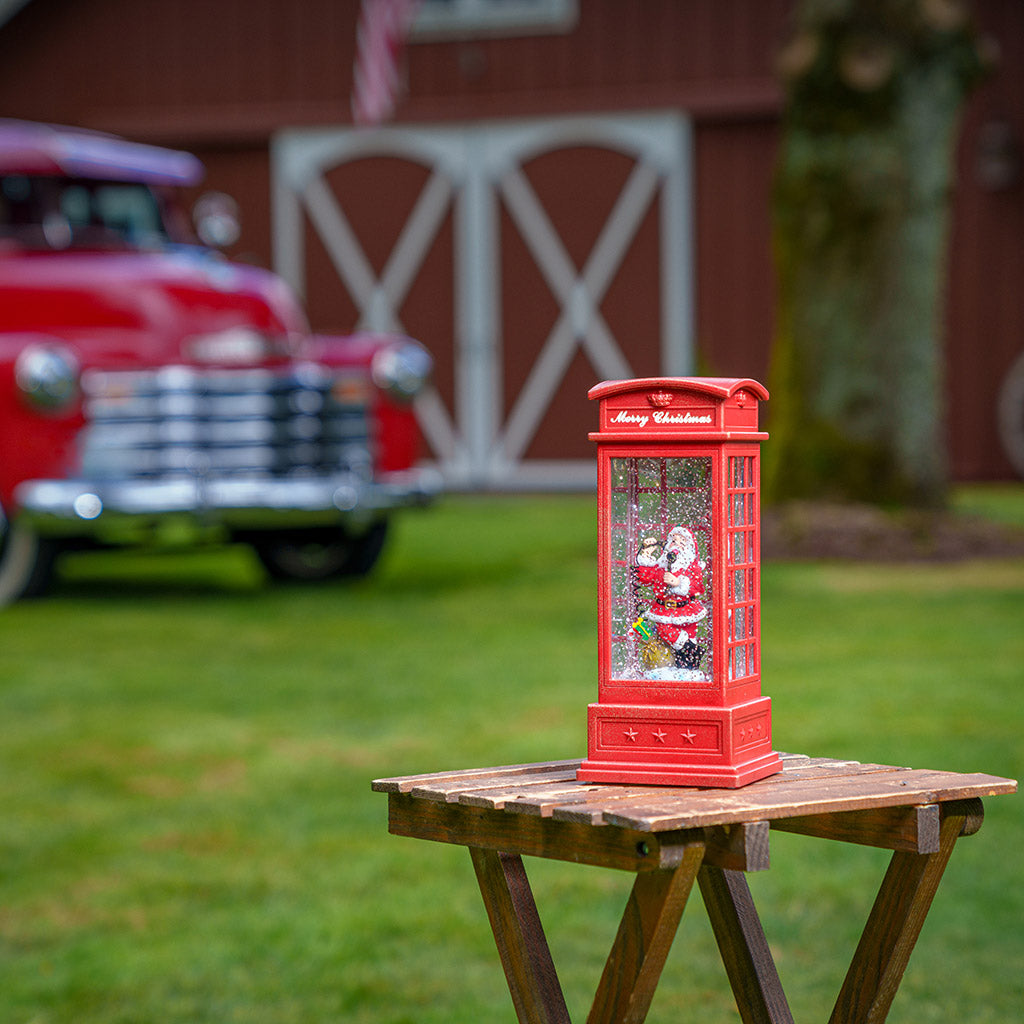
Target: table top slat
[[543, 794], [592, 805], [406, 783], [451, 791], [899, 787]]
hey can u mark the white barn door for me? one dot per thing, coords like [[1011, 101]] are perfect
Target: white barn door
[[480, 438]]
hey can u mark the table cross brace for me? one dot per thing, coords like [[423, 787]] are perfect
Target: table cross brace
[[654, 911]]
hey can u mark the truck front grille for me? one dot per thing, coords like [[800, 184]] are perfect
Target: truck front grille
[[180, 421]]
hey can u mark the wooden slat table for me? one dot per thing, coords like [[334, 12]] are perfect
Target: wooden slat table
[[671, 837]]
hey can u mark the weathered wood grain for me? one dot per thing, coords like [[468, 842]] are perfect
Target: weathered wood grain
[[805, 789], [620, 848], [519, 936], [741, 941], [801, 797], [670, 835], [404, 783], [742, 847], [452, 790], [643, 941], [915, 829], [893, 926]]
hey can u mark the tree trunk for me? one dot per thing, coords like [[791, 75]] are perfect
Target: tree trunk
[[861, 212]]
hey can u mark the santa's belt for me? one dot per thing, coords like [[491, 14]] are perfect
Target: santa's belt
[[676, 602]]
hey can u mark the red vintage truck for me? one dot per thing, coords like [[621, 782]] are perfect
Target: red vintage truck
[[151, 388]]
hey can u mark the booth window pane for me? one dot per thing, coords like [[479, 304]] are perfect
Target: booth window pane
[[661, 568], [743, 638]]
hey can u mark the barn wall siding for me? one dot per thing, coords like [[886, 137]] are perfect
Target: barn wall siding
[[222, 77]]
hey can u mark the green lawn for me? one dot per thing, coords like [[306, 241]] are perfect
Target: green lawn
[[188, 835]]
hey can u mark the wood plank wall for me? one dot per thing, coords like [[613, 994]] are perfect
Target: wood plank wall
[[221, 76]]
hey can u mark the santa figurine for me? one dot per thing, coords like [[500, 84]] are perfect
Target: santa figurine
[[676, 578]]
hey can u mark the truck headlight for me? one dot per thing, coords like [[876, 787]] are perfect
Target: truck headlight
[[402, 369], [47, 376]]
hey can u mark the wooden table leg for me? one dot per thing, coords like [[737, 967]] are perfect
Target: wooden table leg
[[522, 945], [645, 935], [744, 948], [895, 922]]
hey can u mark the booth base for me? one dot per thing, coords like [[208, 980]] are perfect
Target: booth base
[[725, 747], [650, 774]]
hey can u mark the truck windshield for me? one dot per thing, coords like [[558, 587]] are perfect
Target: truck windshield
[[63, 213]]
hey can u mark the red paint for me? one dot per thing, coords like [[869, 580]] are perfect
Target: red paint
[[679, 682], [125, 290]]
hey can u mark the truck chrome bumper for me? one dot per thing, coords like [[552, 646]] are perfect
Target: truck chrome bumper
[[85, 508]]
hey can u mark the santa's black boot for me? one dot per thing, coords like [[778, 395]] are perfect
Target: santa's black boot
[[688, 656]]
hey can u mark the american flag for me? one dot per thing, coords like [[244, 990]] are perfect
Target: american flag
[[380, 36]]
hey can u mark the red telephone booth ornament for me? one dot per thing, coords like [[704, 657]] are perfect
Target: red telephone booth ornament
[[679, 623]]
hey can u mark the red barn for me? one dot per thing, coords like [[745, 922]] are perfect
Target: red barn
[[568, 191]]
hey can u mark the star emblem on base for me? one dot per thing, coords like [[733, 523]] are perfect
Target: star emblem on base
[[659, 735], [631, 735], [689, 736]]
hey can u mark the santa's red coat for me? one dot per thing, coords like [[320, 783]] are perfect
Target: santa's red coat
[[676, 608]]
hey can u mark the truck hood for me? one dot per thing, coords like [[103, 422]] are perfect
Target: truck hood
[[135, 309]]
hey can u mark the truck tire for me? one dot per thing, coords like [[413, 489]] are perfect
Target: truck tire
[[26, 562], [321, 554]]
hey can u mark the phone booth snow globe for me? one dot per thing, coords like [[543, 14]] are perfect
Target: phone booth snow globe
[[679, 682]]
